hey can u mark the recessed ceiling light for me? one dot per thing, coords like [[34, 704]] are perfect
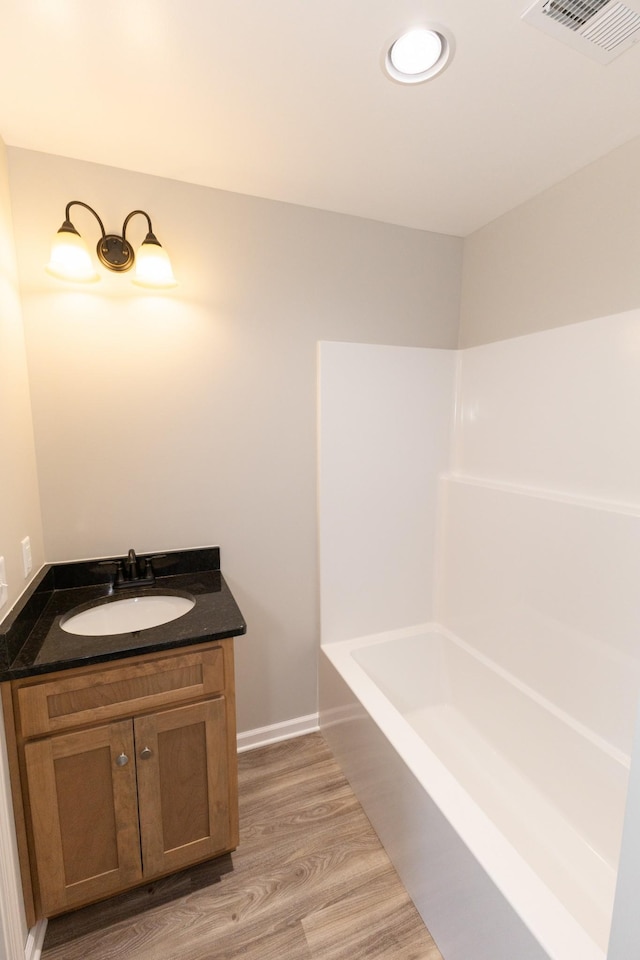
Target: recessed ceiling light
[[418, 54]]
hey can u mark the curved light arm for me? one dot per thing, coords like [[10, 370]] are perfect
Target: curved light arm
[[132, 214], [81, 203]]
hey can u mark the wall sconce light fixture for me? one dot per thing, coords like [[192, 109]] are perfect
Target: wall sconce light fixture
[[70, 258]]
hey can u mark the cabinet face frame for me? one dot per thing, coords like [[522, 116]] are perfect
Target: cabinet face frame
[[217, 658]]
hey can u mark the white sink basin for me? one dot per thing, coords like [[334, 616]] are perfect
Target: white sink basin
[[127, 615]]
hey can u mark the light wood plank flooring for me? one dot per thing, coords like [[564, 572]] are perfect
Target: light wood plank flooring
[[309, 881]]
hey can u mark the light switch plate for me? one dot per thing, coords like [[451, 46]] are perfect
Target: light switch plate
[[4, 590], [27, 562]]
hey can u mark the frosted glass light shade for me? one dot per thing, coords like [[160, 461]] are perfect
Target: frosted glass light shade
[[70, 259], [153, 267]]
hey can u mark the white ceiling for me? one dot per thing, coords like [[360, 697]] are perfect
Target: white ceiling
[[287, 99]]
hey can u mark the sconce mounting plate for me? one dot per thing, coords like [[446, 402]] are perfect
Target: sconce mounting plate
[[115, 253]]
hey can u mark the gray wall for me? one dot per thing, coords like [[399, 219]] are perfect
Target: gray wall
[[19, 501], [19, 516], [571, 253], [189, 418]]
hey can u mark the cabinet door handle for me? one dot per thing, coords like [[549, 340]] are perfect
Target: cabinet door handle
[[122, 760], [146, 753]]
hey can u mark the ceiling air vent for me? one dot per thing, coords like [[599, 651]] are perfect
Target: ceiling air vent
[[601, 29]]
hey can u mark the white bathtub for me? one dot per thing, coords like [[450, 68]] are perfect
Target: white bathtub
[[502, 816]]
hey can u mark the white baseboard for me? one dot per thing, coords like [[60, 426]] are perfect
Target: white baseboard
[[33, 946], [261, 736]]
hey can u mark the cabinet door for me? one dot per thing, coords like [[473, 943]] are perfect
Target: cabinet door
[[82, 790], [183, 786]]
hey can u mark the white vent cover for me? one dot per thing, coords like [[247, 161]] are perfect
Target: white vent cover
[[601, 29]]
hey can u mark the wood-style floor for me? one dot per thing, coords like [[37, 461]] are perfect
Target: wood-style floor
[[309, 881]]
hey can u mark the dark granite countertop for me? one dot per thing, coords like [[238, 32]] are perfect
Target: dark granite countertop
[[32, 641]]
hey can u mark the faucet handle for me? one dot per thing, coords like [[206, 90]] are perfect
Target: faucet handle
[[149, 572], [119, 571]]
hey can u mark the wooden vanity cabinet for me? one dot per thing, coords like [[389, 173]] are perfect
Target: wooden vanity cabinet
[[128, 772]]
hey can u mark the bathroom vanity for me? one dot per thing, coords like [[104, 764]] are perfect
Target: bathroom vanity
[[123, 760]]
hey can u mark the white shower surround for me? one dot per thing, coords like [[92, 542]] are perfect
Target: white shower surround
[[537, 540]]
